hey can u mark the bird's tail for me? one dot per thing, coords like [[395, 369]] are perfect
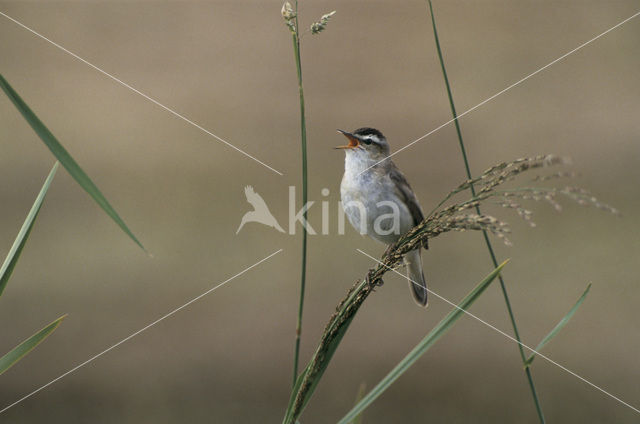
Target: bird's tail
[[417, 283]]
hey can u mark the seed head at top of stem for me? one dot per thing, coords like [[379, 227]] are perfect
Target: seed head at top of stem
[[289, 15]]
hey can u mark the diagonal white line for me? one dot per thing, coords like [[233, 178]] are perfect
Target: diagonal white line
[[142, 94], [137, 332], [586, 43], [508, 336]]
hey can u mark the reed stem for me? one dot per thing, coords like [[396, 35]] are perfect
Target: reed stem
[[527, 370], [303, 140]]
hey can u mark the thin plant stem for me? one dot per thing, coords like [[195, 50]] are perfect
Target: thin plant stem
[[503, 286], [303, 140]]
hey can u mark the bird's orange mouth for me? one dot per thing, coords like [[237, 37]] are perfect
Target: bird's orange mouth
[[353, 141]]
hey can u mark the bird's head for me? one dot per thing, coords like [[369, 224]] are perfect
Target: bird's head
[[366, 141]]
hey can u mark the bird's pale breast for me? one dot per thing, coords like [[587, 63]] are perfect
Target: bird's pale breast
[[363, 199]]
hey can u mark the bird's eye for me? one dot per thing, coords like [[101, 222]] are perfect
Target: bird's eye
[[366, 141]]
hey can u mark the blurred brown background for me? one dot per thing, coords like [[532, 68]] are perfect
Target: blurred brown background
[[228, 65]]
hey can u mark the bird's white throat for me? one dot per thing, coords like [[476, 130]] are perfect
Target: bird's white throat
[[358, 163]]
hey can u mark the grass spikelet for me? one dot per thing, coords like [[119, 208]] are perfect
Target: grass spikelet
[[525, 214], [554, 176], [496, 177], [319, 26]]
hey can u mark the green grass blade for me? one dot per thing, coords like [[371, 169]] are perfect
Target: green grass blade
[[424, 345], [12, 258], [361, 391], [64, 157], [558, 326], [303, 144], [8, 360]]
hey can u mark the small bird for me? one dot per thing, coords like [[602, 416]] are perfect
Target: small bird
[[260, 212], [370, 188]]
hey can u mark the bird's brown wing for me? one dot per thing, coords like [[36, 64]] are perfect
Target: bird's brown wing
[[404, 192]]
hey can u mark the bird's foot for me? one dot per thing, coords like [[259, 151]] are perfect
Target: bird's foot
[[371, 283]]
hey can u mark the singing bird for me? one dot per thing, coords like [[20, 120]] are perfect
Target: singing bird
[[260, 212], [370, 183]]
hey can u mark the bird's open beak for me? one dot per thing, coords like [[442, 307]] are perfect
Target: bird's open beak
[[353, 141]]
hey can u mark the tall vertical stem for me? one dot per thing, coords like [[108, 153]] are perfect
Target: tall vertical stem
[[303, 140], [484, 233]]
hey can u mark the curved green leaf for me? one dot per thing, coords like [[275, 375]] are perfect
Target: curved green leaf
[[8, 360], [64, 157], [12, 258], [424, 345], [558, 326]]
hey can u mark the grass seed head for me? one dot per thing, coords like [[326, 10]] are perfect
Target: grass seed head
[[319, 26]]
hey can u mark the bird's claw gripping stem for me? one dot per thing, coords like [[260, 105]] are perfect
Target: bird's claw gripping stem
[[371, 283]]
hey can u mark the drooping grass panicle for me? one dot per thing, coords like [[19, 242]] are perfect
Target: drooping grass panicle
[[443, 219], [579, 195], [511, 170], [501, 173], [493, 178], [504, 171]]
